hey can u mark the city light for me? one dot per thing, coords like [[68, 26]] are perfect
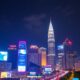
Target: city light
[[48, 69], [32, 73], [3, 55], [21, 68], [34, 46], [3, 74], [43, 54], [69, 42], [22, 56], [12, 47], [60, 47], [75, 79], [40, 62], [22, 51], [22, 44]]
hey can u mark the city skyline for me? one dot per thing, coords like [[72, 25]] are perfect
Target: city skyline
[[39, 39], [31, 23]]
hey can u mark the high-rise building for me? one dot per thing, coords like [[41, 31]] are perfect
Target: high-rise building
[[33, 54], [70, 59], [13, 54], [67, 49], [61, 56], [77, 66], [43, 57], [51, 46], [22, 56], [4, 64]]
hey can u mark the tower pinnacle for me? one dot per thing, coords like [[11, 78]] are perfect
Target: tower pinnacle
[[50, 26]]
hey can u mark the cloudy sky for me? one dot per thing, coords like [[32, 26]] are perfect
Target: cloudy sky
[[29, 20]]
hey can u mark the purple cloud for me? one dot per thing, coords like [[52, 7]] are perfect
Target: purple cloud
[[34, 20]]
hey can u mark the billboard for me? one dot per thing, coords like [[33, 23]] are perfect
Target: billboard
[[32, 73], [22, 60], [3, 55], [22, 44], [48, 69], [22, 51], [21, 68], [12, 47], [60, 47], [22, 56], [3, 74]]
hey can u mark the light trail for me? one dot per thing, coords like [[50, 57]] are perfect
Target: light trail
[[57, 76]]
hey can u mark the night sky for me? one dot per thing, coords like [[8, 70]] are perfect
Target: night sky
[[29, 20]]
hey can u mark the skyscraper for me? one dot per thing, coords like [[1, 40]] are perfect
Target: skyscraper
[[61, 57], [42, 52], [51, 46], [12, 49], [70, 59], [33, 54]]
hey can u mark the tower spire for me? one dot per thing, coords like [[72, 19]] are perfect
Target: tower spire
[[50, 25]]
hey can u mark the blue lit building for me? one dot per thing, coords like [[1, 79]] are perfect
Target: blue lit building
[[61, 57], [22, 56], [5, 65]]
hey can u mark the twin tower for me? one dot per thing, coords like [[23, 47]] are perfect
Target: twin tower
[[51, 47]]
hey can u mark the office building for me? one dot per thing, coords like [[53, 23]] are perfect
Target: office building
[[13, 55], [43, 55], [33, 55], [61, 57]]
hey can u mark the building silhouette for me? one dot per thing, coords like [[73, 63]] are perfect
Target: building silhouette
[[13, 55]]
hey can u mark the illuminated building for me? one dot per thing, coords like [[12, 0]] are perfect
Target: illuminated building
[[77, 66], [12, 47], [13, 54], [67, 48], [51, 46], [61, 57], [4, 64], [68, 54], [70, 59], [33, 54], [22, 56], [42, 52], [3, 55], [47, 69]]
